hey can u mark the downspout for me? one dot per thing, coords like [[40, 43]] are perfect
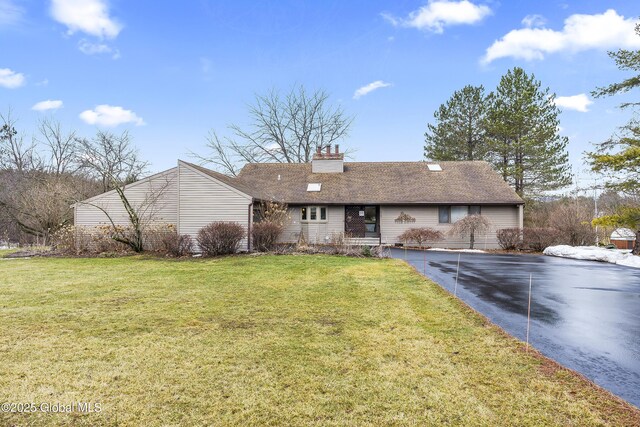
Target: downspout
[[249, 221]]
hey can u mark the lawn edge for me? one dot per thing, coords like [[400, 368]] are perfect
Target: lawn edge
[[623, 407]]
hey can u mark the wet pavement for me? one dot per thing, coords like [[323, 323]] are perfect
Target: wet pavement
[[585, 315]]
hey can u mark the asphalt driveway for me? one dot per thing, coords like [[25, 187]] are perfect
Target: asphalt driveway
[[585, 315]]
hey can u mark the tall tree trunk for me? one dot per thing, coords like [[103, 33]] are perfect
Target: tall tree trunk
[[636, 247]]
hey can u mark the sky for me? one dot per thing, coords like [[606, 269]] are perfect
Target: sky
[[169, 72]]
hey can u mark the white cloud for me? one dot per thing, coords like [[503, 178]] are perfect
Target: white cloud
[[88, 16], [579, 102], [581, 32], [89, 48], [47, 105], [532, 21], [10, 79], [369, 88], [438, 14], [107, 115], [10, 13]]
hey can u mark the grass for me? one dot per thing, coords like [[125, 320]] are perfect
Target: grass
[[4, 252], [269, 340]]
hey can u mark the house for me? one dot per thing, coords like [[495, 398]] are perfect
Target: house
[[370, 202], [623, 238]]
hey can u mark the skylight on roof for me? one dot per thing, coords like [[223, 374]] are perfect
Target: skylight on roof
[[314, 187], [434, 167]]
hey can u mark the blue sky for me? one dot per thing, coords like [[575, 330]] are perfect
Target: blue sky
[[171, 71]]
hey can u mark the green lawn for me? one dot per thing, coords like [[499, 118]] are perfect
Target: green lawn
[[269, 340]]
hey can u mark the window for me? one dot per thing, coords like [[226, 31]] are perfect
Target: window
[[451, 214], [313, 213], [458, 212], [443, 214]]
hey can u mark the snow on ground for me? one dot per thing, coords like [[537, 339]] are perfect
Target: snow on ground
[[594, 253], [477, 251]]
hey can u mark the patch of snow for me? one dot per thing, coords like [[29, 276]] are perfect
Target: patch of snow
[[475, 251], [631, 261], [594, 253]]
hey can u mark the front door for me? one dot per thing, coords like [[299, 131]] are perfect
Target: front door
[[354, 225], [361, 221]]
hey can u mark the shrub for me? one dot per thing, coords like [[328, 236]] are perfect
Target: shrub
[[72, 240], [573, 222], [265, 235], [102, 239], [271, 211], [366, 251], [153, 236], [220, 238], [421, 235], [78, 240], [177, 245], [537, 239], [509, 238]]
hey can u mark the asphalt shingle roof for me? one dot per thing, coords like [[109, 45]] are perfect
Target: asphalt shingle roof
[[464, 182]]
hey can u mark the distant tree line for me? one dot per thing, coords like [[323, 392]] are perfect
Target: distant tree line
[[44, 173]]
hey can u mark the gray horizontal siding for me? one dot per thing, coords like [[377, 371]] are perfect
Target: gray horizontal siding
[[204, 200], [314, 232], [427, 216], [155, 199]]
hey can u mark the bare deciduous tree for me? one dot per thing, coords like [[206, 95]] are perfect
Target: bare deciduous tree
[[38, 202], [140, 215], [62, 147], [15, 153], [36, 183], [111, 159], [470, 225], [285, 129]]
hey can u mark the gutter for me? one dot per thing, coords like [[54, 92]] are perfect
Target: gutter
[[249, 214]]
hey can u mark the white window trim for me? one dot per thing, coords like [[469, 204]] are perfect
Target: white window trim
[[314, 221]]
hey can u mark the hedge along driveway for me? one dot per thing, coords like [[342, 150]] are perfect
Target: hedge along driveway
[[269, 340]]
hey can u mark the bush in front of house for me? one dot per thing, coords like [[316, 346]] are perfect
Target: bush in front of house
[[71, 240], [82, 240], [78, 240], [265, 235], [509, 238], [154, 235], [421, 235], [220, 238], [177, 245], [537, 239]]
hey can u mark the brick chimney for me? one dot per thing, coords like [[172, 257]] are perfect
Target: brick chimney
[[328, 162]]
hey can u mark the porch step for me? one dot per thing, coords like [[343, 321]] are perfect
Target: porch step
[[363, 241]]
